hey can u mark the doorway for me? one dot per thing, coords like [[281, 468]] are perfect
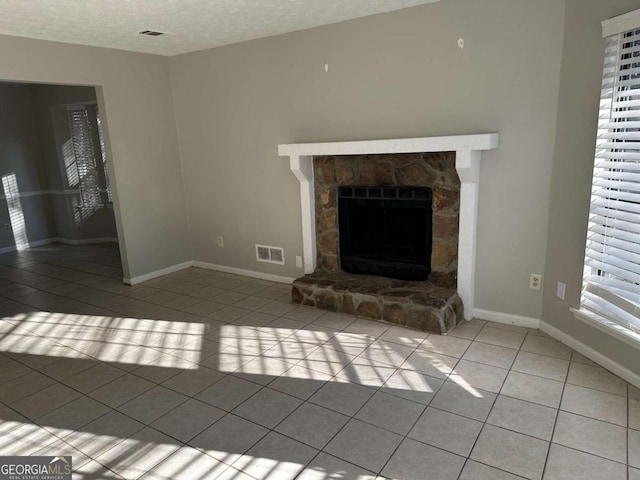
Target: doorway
[[56, 187]]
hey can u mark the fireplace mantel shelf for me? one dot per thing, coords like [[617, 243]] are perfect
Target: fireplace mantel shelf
[[468, 150], [451, 143]]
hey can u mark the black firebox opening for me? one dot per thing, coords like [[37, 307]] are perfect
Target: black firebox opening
[[385, 231]]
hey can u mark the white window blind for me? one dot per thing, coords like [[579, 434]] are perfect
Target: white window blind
[[103, 156], [83, 148], [89, 155], [612, 265]]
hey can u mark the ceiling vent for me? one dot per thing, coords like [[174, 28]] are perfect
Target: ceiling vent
[[151, 33]]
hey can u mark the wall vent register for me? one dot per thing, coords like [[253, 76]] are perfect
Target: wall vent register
[[267, 254]]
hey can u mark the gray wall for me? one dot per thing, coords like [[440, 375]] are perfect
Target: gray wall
[[393, 75], [20, 156], [583, 51], [134, 95]]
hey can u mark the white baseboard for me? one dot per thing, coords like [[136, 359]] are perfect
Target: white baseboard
[[246, 273], [84, 241], [506, 318], [67, 241], [37, 243], [157, 273], [591, 354], [164, 271]]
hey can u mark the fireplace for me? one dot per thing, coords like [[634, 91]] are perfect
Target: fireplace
[[406, 227], [385, 231], [430, 305]]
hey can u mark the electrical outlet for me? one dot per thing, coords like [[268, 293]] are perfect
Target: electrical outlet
[[299, 261], [560, 291], [220, 241], [535, 281], [7, 227]]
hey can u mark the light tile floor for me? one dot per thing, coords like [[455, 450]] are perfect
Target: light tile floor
[[204, 375]]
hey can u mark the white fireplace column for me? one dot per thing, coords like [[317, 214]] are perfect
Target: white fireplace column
[[468, 150]]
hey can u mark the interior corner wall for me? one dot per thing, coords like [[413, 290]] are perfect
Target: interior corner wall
[[134, 95], [583, 53], [399, 74], [20, 165]]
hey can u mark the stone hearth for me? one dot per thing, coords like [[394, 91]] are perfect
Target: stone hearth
[[419, 305]]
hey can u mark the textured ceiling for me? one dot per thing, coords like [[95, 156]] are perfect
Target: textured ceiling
[[192, 24]]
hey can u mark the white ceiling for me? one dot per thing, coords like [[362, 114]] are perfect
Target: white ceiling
[[192, 24]]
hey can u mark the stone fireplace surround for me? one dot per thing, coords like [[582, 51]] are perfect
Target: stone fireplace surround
[[434, 170], [467, 150]]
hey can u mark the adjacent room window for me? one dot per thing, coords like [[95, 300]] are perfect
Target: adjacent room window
[[88, 167], [611, 288]]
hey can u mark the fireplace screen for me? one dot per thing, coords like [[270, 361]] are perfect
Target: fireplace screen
[[385, 231]]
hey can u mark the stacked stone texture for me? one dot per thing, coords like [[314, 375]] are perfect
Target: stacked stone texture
[[435, 170], [432, 306], [420, 305]]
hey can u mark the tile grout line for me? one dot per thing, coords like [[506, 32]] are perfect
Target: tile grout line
[[484, 423], [406, 436], [270, 429], [351, 417], [319, 450], [231, 373], [149, 425], [264, 386], [120, 295], [555, 422]]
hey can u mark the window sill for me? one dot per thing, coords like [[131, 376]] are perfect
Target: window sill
[[623, 334]]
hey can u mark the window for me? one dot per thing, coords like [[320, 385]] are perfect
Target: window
[[87, 167], [611, 286]]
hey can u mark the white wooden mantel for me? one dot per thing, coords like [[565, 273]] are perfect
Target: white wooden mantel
[[468, 150]]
